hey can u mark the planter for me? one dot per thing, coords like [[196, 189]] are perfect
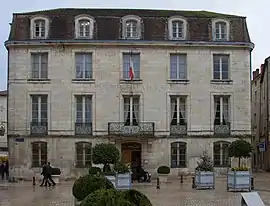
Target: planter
[[56, 178], [120, 181], [112, 178], [239, 180], [163, 178], [204, 180]]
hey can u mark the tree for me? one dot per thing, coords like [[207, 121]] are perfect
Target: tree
[[240, 148], [105, 154]]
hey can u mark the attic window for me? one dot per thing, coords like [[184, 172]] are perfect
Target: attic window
[[39, 28], [131, 27], [84, 27], [177, 27], [220, 30]]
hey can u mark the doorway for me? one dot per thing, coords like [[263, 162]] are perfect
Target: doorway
[[132, 154]]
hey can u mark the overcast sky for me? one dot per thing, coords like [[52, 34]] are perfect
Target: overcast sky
[[257, 13]]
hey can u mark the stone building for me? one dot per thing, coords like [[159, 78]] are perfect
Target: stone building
[[70, 87], [3, 123]]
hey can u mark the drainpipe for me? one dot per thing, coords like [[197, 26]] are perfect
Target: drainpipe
[[267, 113]]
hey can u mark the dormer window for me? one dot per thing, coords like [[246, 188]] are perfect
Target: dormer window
[[131, 27], [220, 30], [177, 27], [39, 28], [84, 27]]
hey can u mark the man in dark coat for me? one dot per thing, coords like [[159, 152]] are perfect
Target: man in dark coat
[[45, 175], [49, 172], [2, 170], [6, 170]]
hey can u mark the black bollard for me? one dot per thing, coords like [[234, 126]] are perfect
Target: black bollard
[[252, 183], [181, 179], [158, 185], [193, 182], [34, 181]]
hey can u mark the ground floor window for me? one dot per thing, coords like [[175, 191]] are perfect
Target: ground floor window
[[39, 154], [83, 154], [178, 154], [221, 154]]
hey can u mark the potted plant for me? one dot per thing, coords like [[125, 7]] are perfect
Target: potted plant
[[56, 175], [239, 178], [123, 176], [106, 154], [163, 173], [204, 173]]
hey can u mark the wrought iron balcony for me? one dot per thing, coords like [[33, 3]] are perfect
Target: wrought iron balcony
[[39, 128], [83, 128], [222, 129], [120, 128], [178, 129]]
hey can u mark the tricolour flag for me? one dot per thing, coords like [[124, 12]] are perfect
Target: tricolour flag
[[131, 69]]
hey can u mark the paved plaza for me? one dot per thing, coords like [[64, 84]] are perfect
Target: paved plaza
[[170, 194]]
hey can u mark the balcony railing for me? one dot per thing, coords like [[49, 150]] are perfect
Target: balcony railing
[[120, 128], [222, 129], [178, 129], [83, 128], [39, 128]]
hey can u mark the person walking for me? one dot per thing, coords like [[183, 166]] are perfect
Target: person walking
[[45, 175], [6, 170], [49, 172], [2, 170]]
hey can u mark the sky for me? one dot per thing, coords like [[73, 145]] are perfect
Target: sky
[[257, 13]]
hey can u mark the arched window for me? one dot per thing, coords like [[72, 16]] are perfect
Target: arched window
[[178, 154], [131, 27], [84, 27], [83, 154], [221, 154], [39, 154], [220, 30], [177, 27], [39, 27]]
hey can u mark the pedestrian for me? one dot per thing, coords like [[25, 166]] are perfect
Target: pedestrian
[[6, 170], [45, 175], [2, 170], [49, 172]]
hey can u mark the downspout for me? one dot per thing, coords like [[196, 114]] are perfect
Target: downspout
[[267, 113]]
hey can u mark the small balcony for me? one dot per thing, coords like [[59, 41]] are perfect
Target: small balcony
[[222, 129], [39, 128], [178, 129], [82, 128], [120, 128]]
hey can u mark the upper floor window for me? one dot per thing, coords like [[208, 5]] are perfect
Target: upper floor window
[[131, 110], [83, 65], [131, 66], [39, 27], [220, 30], [131, 27], [221, 107], [178, 66], [39, 65], [221, 67], [84, 27], [177, 28]]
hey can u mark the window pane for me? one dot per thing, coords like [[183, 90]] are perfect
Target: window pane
[[217, 152], [88, 109], [79, 109], [173, 66]]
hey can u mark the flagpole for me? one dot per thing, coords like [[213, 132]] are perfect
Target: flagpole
[[131, 59]]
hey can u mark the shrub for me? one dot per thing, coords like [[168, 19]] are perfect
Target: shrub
[[164, 170], [87, 184], [205, 164], [94, 170], [240, 148], [105, 197], [136, 197], [240, 169], [121, 168], [55, 171], [105, 154]]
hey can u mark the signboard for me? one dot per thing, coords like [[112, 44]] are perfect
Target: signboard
[[251, 199], [262, 146], [19, 139]]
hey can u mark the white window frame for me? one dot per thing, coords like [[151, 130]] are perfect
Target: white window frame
[[84, 64], [227, 29], [32, 27], [83, 107], [39, 65], [220, 66], [170, 27], [221, 98], [127, 18], [178, 68], [221, 143], [178, 102], [39, 96], [84, 153], [91, 26], [131, 108]]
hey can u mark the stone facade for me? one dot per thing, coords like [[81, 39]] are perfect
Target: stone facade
[[107, 90], [3, 123]]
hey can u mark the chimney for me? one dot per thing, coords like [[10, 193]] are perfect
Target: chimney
[[254, 74], [262, 68]]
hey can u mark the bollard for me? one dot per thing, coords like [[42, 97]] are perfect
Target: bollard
[[34, 181], [181, 179], [193, 182], [252, 183], [158, 185]]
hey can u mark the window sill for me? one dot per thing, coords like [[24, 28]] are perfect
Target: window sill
[[38, 81], [177, 39], [126, 81], [84, 37], [131, 38], [220, 81], [83, 81], [178, 81]]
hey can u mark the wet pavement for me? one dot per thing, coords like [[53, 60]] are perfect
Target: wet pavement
[[170, 194]]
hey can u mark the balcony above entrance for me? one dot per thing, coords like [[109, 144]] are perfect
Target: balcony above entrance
[[122, 128]]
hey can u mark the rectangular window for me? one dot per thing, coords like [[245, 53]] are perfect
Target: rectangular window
[[221, 67], [39, 108], [131, 110], [178, 110], [131, 61], [39, 65], [83, 65], [83, 109], [178, 154], [39, 154], [83, 154], [221, 154], [221, 107], [178, 66]]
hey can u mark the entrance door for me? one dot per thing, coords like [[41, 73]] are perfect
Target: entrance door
[[131, 153], [126, 156]]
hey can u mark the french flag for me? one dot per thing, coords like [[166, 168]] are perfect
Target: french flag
[[131, 69]]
